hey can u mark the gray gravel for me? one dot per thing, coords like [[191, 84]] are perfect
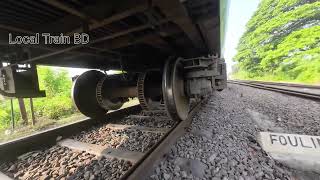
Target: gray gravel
[[222, 143], [287, 113], [120, 139], [63, 163], [132, 140], [156, 120]]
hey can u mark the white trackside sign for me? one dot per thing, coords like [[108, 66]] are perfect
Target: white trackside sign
[[290, 143], [297, 151]]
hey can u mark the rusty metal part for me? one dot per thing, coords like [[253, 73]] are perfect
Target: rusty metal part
[[113, 91], [110, 98], [281, 89], [99, 93], [140, 89], [173, 87], [149, 90], [143, 168]]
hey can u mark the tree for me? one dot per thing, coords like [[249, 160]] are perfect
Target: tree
[[281, 42]]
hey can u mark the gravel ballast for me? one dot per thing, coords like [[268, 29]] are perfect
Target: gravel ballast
[[62, 163], [120, 139], [156, 120], [132, 140], [222, 143]]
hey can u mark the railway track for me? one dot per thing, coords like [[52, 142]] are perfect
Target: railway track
[[122, 150], [300, 90]]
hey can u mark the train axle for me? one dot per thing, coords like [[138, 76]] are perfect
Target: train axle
[[169, 88]]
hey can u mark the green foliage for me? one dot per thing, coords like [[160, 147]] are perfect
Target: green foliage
[[5, 113], [54, 108], [56, 105], [56, 83], [281, 42]]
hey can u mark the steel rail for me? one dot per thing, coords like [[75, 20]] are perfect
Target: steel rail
[[312, 96], [143, 168], [281, 84]]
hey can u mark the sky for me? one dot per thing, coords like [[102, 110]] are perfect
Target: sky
[[240, 11]]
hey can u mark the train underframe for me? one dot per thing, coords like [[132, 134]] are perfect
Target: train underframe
[[169, 87], [162, 47]]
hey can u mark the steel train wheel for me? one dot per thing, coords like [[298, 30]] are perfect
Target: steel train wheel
[[84, 94], [173, 88]]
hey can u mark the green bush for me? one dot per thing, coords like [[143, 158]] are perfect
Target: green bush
[[54, 108]]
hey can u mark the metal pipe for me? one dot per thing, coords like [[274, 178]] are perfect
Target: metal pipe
[[12, 114], [32, 112], [130, 91]]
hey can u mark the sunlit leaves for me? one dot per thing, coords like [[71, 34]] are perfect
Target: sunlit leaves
[[282, 40]]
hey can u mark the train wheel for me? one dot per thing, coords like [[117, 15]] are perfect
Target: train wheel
[[84, 94], [173, 88]]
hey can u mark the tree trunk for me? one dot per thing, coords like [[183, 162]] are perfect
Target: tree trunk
[[23, 111]]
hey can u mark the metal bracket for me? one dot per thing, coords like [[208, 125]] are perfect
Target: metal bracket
[[204, 75], [20, 81]]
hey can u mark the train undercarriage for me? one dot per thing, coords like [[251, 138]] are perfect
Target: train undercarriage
[[169, 88], [170, 51]]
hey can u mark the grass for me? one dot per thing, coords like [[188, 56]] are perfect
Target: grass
[[44, 124], [41, 125], [242, 75]]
